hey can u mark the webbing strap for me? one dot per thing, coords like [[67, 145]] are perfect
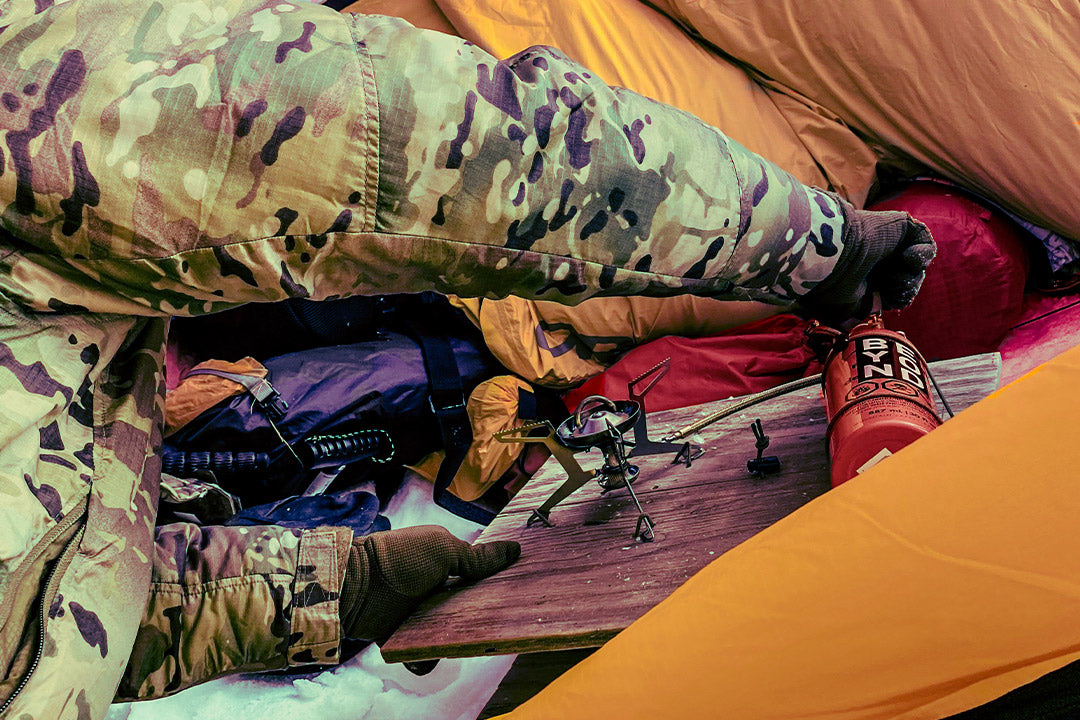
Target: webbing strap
[[448, 403]]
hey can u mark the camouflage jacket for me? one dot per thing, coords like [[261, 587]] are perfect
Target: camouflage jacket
[[174, 158]]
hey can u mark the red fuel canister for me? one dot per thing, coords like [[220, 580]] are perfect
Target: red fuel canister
[[877, 398]]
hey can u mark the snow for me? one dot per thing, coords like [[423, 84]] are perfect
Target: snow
[[365, 687]]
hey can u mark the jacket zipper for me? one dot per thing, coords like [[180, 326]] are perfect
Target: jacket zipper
[[62, 561]]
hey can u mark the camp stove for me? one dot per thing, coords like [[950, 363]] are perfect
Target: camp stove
[[603, 424]]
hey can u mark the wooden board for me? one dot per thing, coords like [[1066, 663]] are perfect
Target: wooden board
[[580, 582]]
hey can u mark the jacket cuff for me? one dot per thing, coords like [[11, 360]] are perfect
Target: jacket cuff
[[320, 571]]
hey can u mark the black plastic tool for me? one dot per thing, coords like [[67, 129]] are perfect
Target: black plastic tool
[[762, 465]]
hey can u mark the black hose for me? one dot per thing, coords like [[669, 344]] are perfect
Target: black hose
[[325, 451], [314, 453], [187, 464]]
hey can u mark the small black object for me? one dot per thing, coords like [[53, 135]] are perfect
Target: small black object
[[319, 452], [540, 516], [687, 454], [644, 530], [642, 445], [762, 465], [420, 667]]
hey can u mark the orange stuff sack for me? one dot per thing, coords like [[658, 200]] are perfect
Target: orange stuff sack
[[195, 394], [493, 406], [938, 580], [560, 346]]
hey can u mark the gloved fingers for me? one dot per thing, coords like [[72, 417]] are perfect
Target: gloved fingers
[[424, 556], [900, 274], [897, 293], [390, 573], [476, 562], [916, 244], [885, 252], [414, 560], [470, 562]]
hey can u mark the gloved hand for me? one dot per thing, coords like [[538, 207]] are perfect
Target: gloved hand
[[883, 252], [389, 573]]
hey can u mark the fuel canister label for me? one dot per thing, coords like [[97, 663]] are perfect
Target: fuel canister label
[[900, 388], [878, 358], [860, 390], [881, 455]]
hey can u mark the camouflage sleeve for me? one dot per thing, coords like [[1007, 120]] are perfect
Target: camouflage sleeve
[[568, 187], [183, 158], [232, 599]]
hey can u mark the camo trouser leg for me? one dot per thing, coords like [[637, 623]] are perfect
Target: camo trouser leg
[[230, 599], [582, 188], [368, 156]]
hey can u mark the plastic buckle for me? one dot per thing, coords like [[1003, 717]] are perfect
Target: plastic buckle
[[269, 399]]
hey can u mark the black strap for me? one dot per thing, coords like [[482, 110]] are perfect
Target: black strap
[[527, 405], [448, 403]]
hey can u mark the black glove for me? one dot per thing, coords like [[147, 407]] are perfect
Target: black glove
[[884, 252], [389, 573]]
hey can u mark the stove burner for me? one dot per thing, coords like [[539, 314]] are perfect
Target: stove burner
[[602, 423]]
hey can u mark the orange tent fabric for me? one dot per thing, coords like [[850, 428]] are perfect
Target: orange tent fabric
[[986, 93], [933, 583]]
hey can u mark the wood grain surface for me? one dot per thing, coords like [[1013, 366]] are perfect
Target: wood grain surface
[[583, 580]]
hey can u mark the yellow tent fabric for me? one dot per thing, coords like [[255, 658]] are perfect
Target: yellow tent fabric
[[938, 580], [421, 13], [987, 92]]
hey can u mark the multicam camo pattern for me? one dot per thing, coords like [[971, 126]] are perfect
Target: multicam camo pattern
[[537, 160], [175, 158], [204, 155], [290, 578]]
